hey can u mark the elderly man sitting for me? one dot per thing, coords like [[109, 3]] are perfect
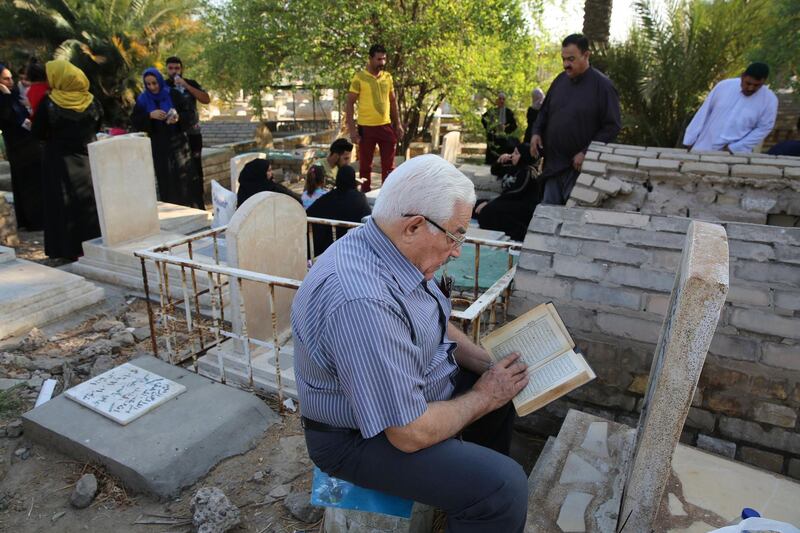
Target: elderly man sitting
[[395, 398]]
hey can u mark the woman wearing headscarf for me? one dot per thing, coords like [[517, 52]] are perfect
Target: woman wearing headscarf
[[24, 154], [256, 177], [37, 77], [537, 99], [164, 115], [67, 120], [344, 202], [511, 212]]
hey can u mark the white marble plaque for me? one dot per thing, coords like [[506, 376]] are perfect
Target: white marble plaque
[[125, 393]]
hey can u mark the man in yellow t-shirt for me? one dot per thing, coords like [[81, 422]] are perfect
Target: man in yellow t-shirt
[[378, 118]]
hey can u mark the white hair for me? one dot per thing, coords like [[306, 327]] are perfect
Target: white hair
[[424, 185]]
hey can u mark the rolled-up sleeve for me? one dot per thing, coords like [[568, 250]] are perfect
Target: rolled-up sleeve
[[371, 345]]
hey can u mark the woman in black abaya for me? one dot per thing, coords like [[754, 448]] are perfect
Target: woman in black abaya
[[165, 116], [511, 212], [67, 121]]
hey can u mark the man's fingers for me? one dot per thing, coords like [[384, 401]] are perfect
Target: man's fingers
[[510, 360]]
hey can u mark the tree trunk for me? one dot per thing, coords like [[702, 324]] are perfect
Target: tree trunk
[[597, 21]]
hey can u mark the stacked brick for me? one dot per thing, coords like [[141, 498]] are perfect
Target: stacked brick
[[216, 132], [610, 275], [756, 188]]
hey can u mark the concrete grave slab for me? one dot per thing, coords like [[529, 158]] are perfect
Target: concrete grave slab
[[712, 488], [32, 295], [168, 448], [576, 485]]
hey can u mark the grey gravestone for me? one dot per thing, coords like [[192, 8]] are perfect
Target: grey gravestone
[[169, 447]]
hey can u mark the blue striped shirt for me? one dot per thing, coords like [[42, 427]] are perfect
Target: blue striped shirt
[[370, 340]]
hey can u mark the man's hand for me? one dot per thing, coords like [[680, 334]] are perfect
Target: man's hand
[[399, 131], [577, 161], [536, 145], [504, 159], [158, 114], [4, 89], [180, 82], [502, 381], [355, 138]]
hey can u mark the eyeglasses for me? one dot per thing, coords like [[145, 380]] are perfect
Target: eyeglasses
[[458, 240]]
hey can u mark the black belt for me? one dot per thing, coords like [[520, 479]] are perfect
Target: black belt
[[321, 426]]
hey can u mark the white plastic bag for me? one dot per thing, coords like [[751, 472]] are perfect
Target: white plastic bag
[[758, 524], [224, 202]]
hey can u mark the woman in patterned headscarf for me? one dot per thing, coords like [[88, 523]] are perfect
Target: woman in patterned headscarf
[[165, 116], [67, 120]]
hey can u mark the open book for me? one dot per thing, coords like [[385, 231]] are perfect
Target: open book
[[544, 344]]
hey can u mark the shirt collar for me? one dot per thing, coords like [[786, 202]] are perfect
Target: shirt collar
[[408, 276], [581, 76]]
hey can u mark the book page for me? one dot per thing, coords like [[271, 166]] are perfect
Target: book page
[[548, 375], [555, 378], [537, 341]]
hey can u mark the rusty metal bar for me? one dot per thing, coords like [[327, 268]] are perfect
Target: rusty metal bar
[[478, 306], [185, 240], [225, 271], [276, 346], [150, 317], [244, 333], [216, 328], [476, 289], [310, 241], [170, 336], [194, 291], [219, 279]]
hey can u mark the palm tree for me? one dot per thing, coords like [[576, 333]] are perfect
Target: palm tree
[[597, 21], [112, 41]]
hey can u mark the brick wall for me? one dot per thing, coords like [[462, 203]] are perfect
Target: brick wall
[[217, 132], [610, 275], [755, 188]]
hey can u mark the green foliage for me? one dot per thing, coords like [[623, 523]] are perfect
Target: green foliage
[[779, 44], [437, 49], [112, 41], [668, 64]]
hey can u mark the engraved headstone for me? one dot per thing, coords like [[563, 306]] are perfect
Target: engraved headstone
[[124, 184], [695, 306], [267, 234], [125, 393], [451, 146]]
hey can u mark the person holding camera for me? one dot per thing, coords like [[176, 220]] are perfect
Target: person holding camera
[[164, 115]]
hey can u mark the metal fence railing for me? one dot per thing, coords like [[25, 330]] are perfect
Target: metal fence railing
[[188, 283]]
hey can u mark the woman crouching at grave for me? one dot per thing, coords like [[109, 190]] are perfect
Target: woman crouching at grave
[[67, 120], [163, 113], [511, 212], [256, 177]]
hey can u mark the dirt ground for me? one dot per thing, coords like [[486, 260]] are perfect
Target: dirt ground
[[35, 491]]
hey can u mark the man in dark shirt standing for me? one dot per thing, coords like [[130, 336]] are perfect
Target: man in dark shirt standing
[[193, 92], [581, 106]]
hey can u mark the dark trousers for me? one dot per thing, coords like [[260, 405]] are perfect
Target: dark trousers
[[197, 188], [558, 188], [469, 478], [385, 138]]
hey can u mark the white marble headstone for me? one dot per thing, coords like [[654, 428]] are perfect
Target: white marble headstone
[[125, 393]]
